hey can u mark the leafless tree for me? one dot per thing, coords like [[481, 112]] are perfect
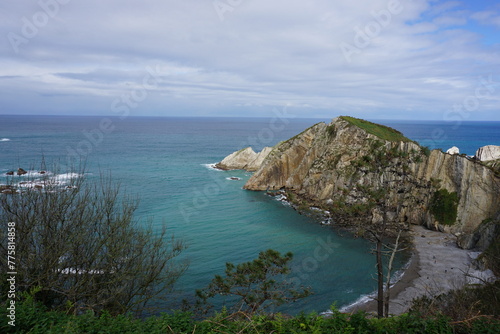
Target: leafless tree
[[81, 247]]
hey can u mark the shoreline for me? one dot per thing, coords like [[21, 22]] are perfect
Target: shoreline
[[437, 265]]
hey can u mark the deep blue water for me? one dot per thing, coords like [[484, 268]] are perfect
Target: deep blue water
[[165, 162]]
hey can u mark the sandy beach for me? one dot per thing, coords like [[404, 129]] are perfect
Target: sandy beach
[[437, 266]]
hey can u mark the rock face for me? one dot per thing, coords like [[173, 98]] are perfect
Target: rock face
[[245, 159], [453, 150], [488, 153], [356, 173], [482, 237]]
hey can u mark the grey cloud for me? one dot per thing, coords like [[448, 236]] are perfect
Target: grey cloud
[[262, 52]]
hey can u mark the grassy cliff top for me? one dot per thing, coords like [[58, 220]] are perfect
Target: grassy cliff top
[[381, 131]]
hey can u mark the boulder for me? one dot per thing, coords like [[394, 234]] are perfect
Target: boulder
[[488, 153], [10, 173], [453, 150], [7, 189], [21, 171]]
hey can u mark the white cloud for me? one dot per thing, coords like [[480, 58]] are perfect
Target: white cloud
[[404, 54]]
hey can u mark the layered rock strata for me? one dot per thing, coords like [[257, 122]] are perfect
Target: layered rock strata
[[361, 176], [488, 153], [245, 159]]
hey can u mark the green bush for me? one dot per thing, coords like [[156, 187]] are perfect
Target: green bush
[[332, 132], [33, 317], [426, 150], [444, 206]]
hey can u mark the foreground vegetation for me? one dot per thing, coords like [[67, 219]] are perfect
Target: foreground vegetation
[[33, 317], [80, 247]]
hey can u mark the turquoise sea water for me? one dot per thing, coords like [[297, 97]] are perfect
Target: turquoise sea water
[[166, 162]]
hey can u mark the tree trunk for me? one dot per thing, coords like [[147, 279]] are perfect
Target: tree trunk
[[387, 296], [380, 280]]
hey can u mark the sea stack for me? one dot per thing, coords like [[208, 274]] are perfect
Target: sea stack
[[245, 159]]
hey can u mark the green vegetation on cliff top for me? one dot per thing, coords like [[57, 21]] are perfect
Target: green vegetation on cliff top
[[381, 131]]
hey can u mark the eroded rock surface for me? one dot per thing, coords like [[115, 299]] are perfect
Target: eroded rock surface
[[357, 175]]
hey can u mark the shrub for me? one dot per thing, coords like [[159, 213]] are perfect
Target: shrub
[[81, 246], [444, 206], [256, 285]]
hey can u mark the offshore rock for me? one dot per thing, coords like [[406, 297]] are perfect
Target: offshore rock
[[245, 159], [361, 174], [488, 153], [453, 150]]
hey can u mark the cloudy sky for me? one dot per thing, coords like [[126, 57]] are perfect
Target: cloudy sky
[[378, 59]]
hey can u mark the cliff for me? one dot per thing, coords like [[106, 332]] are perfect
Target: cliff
[[245, 159], [357, 170]]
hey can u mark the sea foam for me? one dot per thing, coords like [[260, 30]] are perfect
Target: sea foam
[[211, 166]]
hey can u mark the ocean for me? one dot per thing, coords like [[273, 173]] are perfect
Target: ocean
[[167, 163]]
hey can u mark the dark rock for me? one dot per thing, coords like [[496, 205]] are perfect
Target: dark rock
[[7, 189], [21, 171], [10, 173], [42, 172], [482, 237]]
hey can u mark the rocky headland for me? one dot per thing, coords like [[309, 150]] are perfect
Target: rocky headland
[[360, 174]]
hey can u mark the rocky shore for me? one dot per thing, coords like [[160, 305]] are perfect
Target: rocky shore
[[437, 266]]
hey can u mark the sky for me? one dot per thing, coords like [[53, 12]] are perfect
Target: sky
[[375, 59]]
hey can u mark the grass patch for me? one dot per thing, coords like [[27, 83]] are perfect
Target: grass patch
[[381, 131]]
